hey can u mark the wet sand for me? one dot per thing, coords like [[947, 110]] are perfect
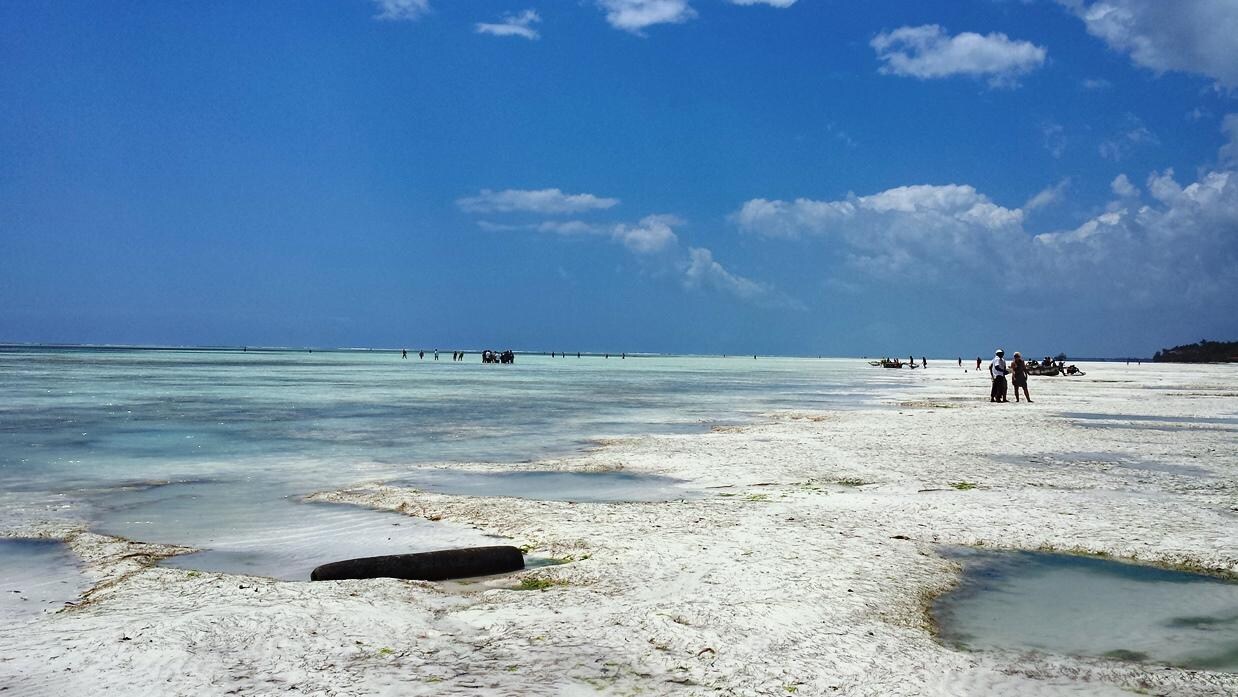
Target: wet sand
[[806, 567]]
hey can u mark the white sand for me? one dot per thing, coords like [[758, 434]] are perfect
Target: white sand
[[780, 580]]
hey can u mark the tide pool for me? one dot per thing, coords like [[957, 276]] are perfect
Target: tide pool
[[1085, 606]]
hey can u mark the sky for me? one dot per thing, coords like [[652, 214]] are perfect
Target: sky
[[797, 177]]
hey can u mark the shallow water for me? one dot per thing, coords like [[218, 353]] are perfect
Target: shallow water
[[37, 577], [1083, 606], [212, 449], [261, 530], [595, 487]]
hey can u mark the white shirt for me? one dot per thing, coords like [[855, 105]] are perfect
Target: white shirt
[[997, 367]]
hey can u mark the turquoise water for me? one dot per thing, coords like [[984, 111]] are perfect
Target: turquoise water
[[1083, 606], [192, 447], [595, 487]]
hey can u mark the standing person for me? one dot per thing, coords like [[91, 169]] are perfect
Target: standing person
[[403, 353], [1018, 377], [977, 362], [997, 371], [960, 361], [436, 354], [923, 362]]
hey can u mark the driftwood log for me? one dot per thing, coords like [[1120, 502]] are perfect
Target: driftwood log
[[427, 566]]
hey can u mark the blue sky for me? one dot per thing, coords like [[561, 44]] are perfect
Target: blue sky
[[712, 176]]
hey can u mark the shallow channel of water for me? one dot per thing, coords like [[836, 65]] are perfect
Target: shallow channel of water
[[261, 530], [37, 577], [546, 485]]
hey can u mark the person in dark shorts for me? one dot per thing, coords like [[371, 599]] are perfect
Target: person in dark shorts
[[1018, 377], [997, 371]]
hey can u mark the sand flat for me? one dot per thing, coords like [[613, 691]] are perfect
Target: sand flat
[[805, 571]]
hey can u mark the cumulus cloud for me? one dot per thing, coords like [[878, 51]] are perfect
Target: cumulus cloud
[[635, 15], [1178, 249], [933, 205], [651, 235], [406, 10], [927, 52], [703, 271], [1184, 248], [917, 231], [544, 201], [1195, 36], [513, 25], [1123, 187]]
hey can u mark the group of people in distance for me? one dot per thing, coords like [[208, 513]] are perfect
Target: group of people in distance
[[496, 357], [999, 369], [455, 355]]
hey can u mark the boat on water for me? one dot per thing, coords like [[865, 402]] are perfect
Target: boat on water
[[888, 363], [1049, 367]]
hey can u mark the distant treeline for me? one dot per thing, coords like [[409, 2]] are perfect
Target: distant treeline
[[1203, 352]]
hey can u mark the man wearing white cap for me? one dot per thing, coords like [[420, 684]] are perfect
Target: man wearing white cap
[[997, 371]]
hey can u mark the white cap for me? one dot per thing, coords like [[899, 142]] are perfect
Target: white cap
[[998, 351]]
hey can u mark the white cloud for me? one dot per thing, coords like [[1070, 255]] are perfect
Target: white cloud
[[928, 52], [1196, 36], [771, 3], [937, 205], [1123, 187], [636, 15], [1047, 196], [1183, 250], [1178, 251], [651, 235], [1163, 186], [513, 25], [1097, 84], [703, 271], [407, 10], [907, 231], [544, 201]]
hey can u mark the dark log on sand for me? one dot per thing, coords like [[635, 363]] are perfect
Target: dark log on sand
[[427, 566]]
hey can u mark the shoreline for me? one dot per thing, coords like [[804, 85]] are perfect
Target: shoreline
[[786, 574]]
